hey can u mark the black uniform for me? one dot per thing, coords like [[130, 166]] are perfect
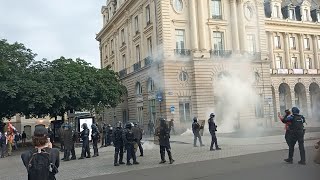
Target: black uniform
[[296, 134], [108, 136], [95, 138], [118, 146], [68, 143], [164, 135], [212, 130], [129, 141], [196, 132], [137, 131], [85, 142], [104, 134]]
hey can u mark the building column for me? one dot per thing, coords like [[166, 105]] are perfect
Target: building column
[[277, 95], [293, 97], [286, 50], [301, 48], [315, 64], [235, 31], [202, 26], [309, 115], [271, 53], [193, 25], [242, 32]]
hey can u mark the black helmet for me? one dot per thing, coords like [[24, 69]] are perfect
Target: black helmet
[[212, 115], [119, 124], [295, 110], [84, 126], [128, 125], [93, 126], [195, 119]]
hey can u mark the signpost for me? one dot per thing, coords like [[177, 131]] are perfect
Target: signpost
[[159, 97]]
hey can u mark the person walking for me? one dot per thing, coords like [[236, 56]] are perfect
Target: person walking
[[151, 128], [196, 132], [118, 145], [212, 130], [10, 139], [85, 141], [129, 141], [164, 141], [171, 126], [24, 137]]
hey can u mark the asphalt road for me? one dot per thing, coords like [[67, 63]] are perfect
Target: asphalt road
[[261, 166]]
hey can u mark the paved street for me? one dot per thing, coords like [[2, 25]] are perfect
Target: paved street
[[262, 166], [11, 168]]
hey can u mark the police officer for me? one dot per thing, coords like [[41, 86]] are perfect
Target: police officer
[[196, 132], [296, 133], [109, 134], [68, 142], [129, 141], [104, 134], [212, 130], [164, 135], [95, 135], [118, 144], [85, 141], [137, 131]]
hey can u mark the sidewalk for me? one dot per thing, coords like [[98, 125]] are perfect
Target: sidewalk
[[11, 168]]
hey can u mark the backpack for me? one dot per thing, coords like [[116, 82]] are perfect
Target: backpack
[[40, 166]]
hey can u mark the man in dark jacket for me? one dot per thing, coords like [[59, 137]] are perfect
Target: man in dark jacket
[[212, 130], [42, 163], [3, 145], [129, 141], [104, 134], [95, 138], [296, 133], [67, 136], [163, 132], [118, 144], [85, 141], [137, 131], [196, 132]]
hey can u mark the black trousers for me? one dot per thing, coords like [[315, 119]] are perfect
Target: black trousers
[[95, 147], [286, 137], [163, 150], [130, 153], [196, 136], [214, 141], [140, 148], [293, 138], [118, 153], [85, 148]]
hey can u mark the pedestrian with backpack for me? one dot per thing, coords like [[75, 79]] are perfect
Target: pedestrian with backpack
[[42, 162]]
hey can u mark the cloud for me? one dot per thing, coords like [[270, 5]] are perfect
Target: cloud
[[54, 28]]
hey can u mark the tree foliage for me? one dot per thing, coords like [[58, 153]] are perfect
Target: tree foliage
[[53, 87]]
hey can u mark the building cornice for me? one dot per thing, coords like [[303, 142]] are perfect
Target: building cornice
[[115, 18], [291, 26]]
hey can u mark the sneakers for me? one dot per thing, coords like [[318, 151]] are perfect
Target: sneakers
[[290, 161], [302, 162]]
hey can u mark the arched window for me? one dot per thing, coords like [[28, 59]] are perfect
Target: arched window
[[138, 88], [150, 85]]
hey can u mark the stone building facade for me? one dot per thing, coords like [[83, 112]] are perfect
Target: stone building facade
[[185, 58]]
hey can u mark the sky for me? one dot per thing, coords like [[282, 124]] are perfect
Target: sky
[[54, 28]]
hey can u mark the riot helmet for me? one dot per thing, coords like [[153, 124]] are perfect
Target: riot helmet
[[84, 126], [295, 111], [195, 119]]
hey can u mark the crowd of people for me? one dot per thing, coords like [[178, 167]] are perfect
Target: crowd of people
[[10, 141]]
